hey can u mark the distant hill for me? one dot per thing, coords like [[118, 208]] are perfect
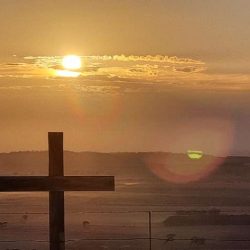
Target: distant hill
[[137, 186], [122, 165]]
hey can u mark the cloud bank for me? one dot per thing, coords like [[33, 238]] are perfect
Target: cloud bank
[[122, 73]]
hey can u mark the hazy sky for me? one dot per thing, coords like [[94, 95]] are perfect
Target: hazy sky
[[157, 75]]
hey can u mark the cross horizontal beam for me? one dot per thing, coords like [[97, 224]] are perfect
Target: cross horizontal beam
[[56, 183]]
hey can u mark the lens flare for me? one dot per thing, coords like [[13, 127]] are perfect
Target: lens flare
[[212, 136], [194, 154], [100, 111]]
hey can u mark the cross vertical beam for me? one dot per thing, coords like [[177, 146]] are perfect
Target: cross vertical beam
[[56, 198]]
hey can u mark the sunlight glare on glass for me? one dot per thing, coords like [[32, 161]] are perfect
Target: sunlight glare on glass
[[72, 62]]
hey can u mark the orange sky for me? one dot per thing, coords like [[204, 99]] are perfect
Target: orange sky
[[156, 75]]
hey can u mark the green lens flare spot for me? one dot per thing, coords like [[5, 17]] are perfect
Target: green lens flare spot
[[194, 154]]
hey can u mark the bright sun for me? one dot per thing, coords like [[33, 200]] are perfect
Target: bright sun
[[72, 62]]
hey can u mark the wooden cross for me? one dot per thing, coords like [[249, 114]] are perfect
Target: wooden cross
[[56, 183]]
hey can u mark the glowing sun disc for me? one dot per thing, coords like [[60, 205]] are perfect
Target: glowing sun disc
[[72, 62]]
